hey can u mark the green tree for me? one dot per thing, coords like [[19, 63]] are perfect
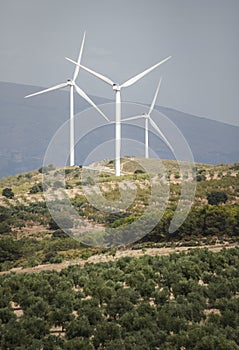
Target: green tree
[[78, 328], [118, 306], [77, 344], [35, 326], [6, 314], [60, 317], [105, 332]]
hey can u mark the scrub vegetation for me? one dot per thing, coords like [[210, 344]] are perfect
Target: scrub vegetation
[[185, 300], [29, 236]]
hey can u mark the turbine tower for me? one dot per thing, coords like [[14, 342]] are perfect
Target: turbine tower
[[72, 84], [117, 89], [148, 119]]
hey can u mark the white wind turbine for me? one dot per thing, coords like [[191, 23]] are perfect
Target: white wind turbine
[[148, 119], [72, 84], [117, 89]]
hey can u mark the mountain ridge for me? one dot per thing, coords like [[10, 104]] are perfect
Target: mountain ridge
[[24, 134]]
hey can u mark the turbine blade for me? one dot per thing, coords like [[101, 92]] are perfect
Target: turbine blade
[[98, 75], [86, 97], [154, 125], [77, 68], [56, 87], [141, 75], [155, 97], [132, 118]]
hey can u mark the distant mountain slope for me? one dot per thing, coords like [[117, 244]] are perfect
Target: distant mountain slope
[[211, 142], [27, 126]]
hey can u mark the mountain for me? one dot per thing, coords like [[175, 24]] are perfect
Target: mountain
[[28, 125]]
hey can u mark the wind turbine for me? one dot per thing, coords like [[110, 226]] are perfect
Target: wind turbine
[[117, 89], [72, 84], [148, 119]]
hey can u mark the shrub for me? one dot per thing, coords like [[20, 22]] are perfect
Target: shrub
[[56, 259], [58, 184], [45, 169], [139, 171], [216, 197], [36, 188], [200, 177], [211, 173], [4, 213], [28, 175], [63, 222], [4, 227], [9, 250], [8, 192], [59, 234], [42, 170]]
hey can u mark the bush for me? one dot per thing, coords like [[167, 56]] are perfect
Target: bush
[[139, 171], [45, 169], [58, 184], [217, 197], [36, 188], [56, 259], [4, 213], [63, 222], [4, 227], [9, 250], [8, 192], [59, 234], [200, 177]]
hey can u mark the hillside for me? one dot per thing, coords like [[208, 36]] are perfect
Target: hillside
[[27, 126], [165, 291], [30, 237]]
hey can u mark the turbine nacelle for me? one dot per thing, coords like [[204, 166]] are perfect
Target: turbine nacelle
[[116, 87], [70, 82]]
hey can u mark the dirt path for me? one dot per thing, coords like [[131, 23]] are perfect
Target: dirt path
[[119, 254]]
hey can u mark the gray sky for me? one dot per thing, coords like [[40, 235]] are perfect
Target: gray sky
[[123, 38]]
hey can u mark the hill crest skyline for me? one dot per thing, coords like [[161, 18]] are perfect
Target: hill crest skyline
[[24, 136]]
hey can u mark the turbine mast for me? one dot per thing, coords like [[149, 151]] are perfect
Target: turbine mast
[[146, 137], [117, 129], [72, 131]]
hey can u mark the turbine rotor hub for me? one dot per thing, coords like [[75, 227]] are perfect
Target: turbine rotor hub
[[70, 82], [116, 87]]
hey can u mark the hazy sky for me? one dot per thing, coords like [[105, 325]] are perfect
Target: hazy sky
[[123, 38]]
